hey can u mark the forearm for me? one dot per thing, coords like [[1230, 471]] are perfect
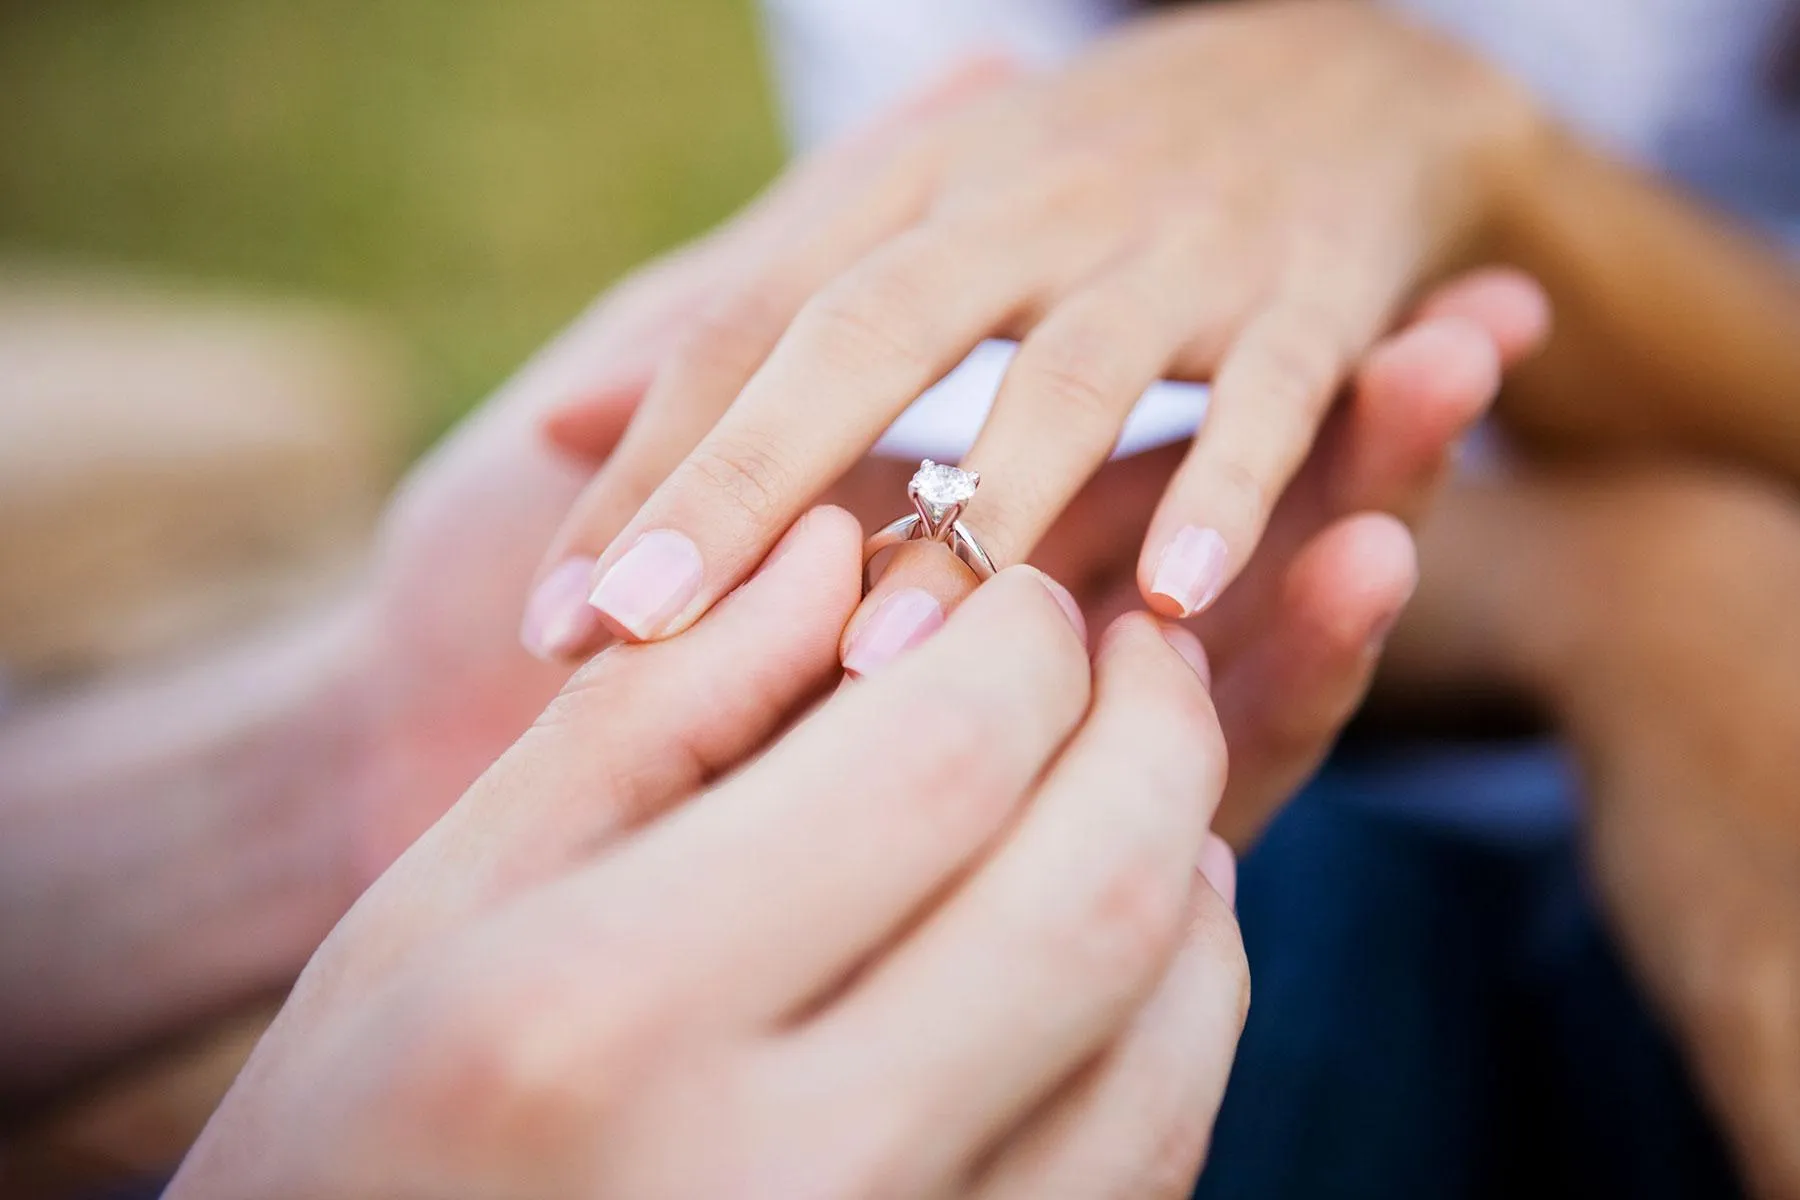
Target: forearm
[[169, 847], [1675, 330]]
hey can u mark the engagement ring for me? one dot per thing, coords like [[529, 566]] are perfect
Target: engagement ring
[[939, 494]]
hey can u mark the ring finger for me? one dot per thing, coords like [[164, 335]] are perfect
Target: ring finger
[[1057, 417]]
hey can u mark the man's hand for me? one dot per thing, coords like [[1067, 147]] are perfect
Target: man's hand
[[945, 937]]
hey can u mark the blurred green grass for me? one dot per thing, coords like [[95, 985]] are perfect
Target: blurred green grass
[[467, 172]]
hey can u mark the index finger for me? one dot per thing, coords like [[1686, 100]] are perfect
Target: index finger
[[857, 353]]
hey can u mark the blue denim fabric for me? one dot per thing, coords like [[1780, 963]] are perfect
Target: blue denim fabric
[[1436, 1009]]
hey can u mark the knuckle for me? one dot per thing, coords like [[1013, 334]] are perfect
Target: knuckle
[[730, 335], [1071, 384], [492, 1073], [747, 474], [876, 316], [1296, 366], [983, 743], [1242, 494], [1080, 179], [1128, 924]]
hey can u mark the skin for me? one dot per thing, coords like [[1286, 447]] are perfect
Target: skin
[[307, 758], [587, 979], [1294, 643], [1648, 609], [1105, 215]]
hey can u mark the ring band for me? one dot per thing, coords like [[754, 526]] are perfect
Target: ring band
[[939, 494]]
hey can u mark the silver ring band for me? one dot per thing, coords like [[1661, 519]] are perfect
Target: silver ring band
[[938, 494]]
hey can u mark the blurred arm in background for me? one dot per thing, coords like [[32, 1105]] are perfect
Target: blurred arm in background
[[1648, 610], [176, 845], [1677, 330], [168, 847]]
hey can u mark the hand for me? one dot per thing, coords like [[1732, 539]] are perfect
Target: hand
[[945, 937], [435, 679], [1294, 642], [1245, 193], [1650, 609]]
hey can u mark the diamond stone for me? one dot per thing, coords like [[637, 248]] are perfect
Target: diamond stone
[[942, 487]]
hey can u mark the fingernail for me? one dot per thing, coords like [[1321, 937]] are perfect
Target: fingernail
[[1191, 651], [558, 621], [1219, 866], [1190, 571], [1066, 600], [650, 584], [899, 623]]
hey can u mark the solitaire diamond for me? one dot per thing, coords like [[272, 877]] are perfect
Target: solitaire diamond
[[943, 488]]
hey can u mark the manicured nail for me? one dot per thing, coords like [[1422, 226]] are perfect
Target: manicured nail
[[1066, 601], [1190, 572], [1191, 651], [558, 622], [650, 584], [1219, 865], [899, 623]]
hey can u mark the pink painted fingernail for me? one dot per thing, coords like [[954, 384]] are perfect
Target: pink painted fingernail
[[1219, 865], [649, 585], [558, 621], [1191, 651], [1190, 572], [899, 623]]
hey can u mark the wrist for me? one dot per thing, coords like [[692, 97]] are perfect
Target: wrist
[[1524, 153]]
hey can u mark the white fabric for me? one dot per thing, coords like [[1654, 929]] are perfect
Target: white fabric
[[1687, 86], [943, 422]]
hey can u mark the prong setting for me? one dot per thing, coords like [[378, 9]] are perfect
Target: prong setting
[[939, 494]]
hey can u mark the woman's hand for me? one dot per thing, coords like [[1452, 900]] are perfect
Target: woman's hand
[[945, 937], [1293, 644], [434, 682], [1246, 194]]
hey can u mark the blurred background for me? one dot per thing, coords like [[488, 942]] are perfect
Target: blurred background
[[461, 175], [256, 254]]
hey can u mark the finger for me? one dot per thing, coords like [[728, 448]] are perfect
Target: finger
[[1136, 1122], [1283, 698], [1420, 390], [1415, 396], [588, 431], [776, 885], [696, 381], [856, 354], [666, 298], [1053, 424], [641, 727], [1508, 304], [1269, 397], [1043, 955]]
